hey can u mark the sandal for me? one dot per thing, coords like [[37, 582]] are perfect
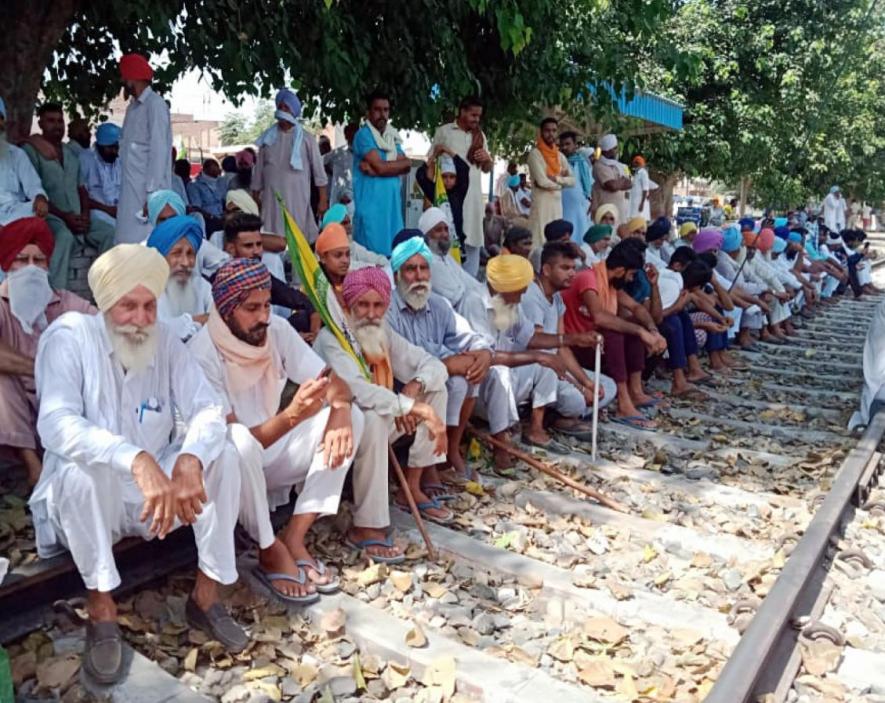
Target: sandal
[[431, 505], [363, 544], [637, 422], [103, 652], [443, 497], [694, 395], [266, 577], [326, 589], [551, 445], [653, 403]]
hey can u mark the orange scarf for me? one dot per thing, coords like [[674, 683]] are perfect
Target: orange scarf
[[551, 157], [382, 372]]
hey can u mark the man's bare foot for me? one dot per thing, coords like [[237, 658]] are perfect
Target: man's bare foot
[[361, 534], [276, 559], [101, 607], [421, 497], [695, 376], [431, 482], [536, 435], [298, 550], [502, 460]]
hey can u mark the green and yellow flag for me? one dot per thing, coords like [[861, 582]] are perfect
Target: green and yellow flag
[[314, 283]]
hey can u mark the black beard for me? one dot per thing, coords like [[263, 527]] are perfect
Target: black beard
[[619, 283], [256, 336]]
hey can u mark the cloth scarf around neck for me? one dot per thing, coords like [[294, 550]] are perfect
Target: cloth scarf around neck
[[245, 365], [386, 142], [270, 136], [551, 157]]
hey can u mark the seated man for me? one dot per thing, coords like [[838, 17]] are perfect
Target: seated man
[[59, 170], [27, 305], [447, 276], [757, 269], [110, 388], [185, 303], [597, 240], [21, 193], [747, 292], [554, 231], [428, 320], [518, 241], [597, 301], [533, 375], [542, 304], [100, 173], [359, 255], [415, 409], [248, 355], [206, 193]]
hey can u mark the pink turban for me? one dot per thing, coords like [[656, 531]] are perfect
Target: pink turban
[[766, 240], [360, 281], [245, 159], [707, 240]]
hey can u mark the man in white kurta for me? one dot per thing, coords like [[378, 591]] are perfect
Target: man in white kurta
[[21, 192], [834, 210], [110, 387], [289, 160], [465, 138], [249, 355], [145, 149], [550, 173], [416, 409]]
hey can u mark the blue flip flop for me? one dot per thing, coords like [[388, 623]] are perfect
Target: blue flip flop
[[386, 542], [431, 504], [634, 421], [445, 497], [318, 566], [266, 577]]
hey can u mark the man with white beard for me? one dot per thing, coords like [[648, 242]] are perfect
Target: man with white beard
[[533, 373], [428, 320], [27, 306], [185, 303], [110, 388], [21, 192], [384, 357]]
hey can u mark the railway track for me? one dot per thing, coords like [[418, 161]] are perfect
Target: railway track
[[748, 564]]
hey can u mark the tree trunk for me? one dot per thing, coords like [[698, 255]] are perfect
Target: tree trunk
[[661, 199], [744, 194], [33, 31]]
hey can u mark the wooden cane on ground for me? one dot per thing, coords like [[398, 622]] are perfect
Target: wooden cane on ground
[[596, 399], [544, 467], [431, 552]]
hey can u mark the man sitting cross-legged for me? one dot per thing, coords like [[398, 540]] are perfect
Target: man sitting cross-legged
[[428, 320], [415, 409], [110, 388], [248, 354]]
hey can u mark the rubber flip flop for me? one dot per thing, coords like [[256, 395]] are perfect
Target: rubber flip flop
[[428, 505], [325, 588], [444, 497], [363, 544], [653, 403], [550, 445], [637, 422], [266, 577]]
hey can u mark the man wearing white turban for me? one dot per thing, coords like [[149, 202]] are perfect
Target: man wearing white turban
[[611, 179], [109, 387]]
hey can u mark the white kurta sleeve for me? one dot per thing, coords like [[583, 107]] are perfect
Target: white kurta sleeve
[[317, 169], [63, 429], [413, 362], [538, 172], [159, 167], [31, 184]]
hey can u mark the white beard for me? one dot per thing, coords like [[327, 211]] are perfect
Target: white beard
[[415, 294], [182, 297], [135, 347], [504, 315], [371, 337]]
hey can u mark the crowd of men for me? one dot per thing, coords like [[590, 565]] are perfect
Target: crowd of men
[[168, 401]]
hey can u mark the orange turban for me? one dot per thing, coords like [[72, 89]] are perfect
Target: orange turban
[[333, 236], [638, 161], [766, 240], [749, 237]]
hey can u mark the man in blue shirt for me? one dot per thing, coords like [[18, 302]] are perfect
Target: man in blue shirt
[[206, 193]]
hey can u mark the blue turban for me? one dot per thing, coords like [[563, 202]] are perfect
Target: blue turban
[[557, 229], [107, 134], [779, 246], [659, 229], [795, 237], [780, 222], [404, 251], [747, 223], [782, 232], [731, 239], [404, 235], [161, 198], [337, 213], [169, 232], [513, 181], [2, 109], [290, 100]]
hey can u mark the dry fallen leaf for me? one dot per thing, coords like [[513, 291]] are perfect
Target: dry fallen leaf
[[598, 674], [562, 649], [372, 574], [263, 672], [819, 657], [396, 675], [434, 589], [401, 580], [603, 629], [190, 661], [441, 672], [333, 621], [58, 672], [416, 637]]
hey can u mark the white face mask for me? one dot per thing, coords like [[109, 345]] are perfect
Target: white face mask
[[29, 294]]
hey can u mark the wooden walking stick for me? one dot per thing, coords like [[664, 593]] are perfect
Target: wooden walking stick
[[596, 398], [431, 552], [543, 467]]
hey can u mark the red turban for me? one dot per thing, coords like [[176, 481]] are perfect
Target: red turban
[[766, 240], [135, 67], [19, 233], [360, 281]]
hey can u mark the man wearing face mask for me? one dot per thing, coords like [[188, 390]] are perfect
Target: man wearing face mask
[[100, 173], [145, 148], [27, 305], [21, 193], [288, 161]]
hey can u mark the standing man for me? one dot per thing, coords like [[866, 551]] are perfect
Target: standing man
[[378, 163], [145, 148], [550, 173], [59, 171], [288, 161], [339, 162], [21, 193], [465, 138], [576, 198], [611, 182], [100, 174], [639, 192], [834, 210]]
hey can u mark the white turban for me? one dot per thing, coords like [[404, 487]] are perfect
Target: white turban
[[430, 218], [123, 268], [241, 200], [608, 142]]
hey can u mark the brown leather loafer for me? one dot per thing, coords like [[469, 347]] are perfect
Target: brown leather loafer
[[218, 623], [103, 652]]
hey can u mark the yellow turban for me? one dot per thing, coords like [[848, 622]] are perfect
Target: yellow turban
[[606, 209], [241, 200], [687, 228], [125, 267], [509, 273], [635, 224]]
